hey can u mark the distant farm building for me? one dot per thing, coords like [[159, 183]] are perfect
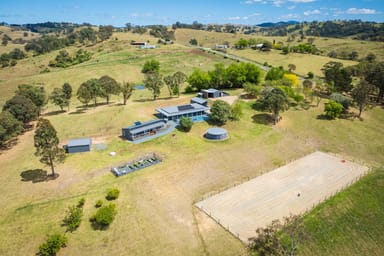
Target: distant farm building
[[212, 93], [140, 130], [78, 145], [195, 111], [139, 43], [148, 46], [221, 46]]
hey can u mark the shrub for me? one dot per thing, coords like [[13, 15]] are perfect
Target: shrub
[[73, 219], [99, 203], [236, 110], [105, 215], [220, 112], [333, 109], [340, 98], [52, 245], [81, 203], [112, 194], [186, 123]]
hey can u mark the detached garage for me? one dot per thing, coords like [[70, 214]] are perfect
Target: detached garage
[[79, 145]]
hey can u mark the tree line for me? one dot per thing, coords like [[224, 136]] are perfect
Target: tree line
[[85, 36]]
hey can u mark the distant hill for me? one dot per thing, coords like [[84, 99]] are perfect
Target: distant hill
[[277, 24]]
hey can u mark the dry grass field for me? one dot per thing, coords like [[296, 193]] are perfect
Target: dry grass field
[[156, 213], [291, 189]]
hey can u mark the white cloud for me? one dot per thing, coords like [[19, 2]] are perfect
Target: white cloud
[[289, 16], [301, 1], [235, 18], [255, 2], [291, 7], [314, 12], [278, 3], [139, 15], [361, 11]]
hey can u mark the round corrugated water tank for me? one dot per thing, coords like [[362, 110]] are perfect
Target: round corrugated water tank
[[216, 133]]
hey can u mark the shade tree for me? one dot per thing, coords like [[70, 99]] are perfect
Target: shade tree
[[126, 89], [10, 127], [109, 86], [154, 82], [47, 146], [59, 98], [274, 100], [22, 108], [220, 112], [360, 95], [36, 94]]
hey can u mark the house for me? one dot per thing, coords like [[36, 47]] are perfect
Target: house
[[148, 46], [139, 43], [78, 145], [221, 46], [195, 111], [140, 130], [212, 93]]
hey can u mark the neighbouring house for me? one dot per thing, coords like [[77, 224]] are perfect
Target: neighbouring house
[[140, 130], [148, 46], [212, 93], [195, 111], [221, 46], [138, 43], [78, 145]]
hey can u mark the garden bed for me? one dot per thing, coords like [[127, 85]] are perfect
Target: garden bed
[[135, 165]]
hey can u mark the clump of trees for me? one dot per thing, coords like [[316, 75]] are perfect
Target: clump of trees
[[64, 59], [85, 36], [53, 245], [11, 58], [233, 76], [61, 96]]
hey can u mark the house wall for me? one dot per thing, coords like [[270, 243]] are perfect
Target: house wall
[[79, 149]]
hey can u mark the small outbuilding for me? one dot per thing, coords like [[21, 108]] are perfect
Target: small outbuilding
[[216, 133], [200, 101], [213, 93], [79, 145]]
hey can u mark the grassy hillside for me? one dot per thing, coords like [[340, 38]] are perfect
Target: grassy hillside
[[350, 223], [156, 215], [304, 62]]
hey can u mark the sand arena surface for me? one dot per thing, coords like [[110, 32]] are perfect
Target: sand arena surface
[[290, 189]]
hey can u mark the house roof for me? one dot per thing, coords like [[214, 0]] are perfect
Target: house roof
[[79, 142], [198, 100], [146, 126], [210, 90], [182, 109]]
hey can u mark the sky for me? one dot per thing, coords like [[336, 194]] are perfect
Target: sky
[[166, 12]]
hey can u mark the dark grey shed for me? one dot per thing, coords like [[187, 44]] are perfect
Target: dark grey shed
[[79, 145]]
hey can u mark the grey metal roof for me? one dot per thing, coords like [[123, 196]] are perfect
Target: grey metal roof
[[79, 142], [198, 100], [210, 90], [174, 110], [146, 126], [216, 131]]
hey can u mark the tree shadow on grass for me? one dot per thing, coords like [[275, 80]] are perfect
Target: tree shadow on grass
[[53, 113], [77, 112], [262, 118], [37, 175], [97, 226]]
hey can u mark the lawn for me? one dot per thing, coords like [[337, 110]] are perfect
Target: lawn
[[156, 215], [350, 223]]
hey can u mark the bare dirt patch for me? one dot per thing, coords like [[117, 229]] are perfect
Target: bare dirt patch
[[291, 189]]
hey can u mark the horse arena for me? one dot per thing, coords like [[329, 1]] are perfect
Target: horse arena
[[291, 189]]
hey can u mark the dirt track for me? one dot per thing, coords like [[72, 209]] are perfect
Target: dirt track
[[293, 188]]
